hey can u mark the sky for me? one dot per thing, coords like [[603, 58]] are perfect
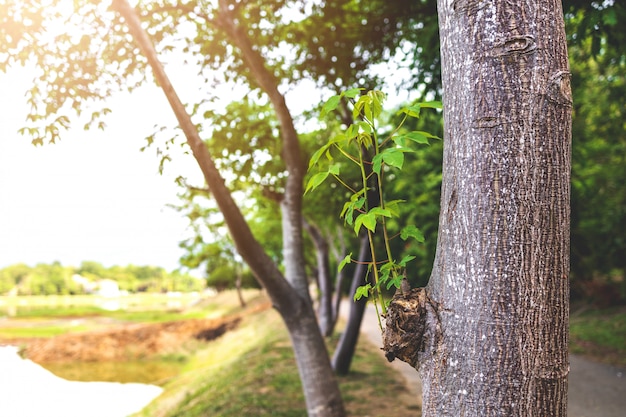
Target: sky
[[94, 195]]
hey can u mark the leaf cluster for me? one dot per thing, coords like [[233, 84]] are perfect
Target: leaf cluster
[[375, 155]]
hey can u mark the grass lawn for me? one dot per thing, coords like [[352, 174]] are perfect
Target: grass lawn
[[600, 335], [251, 371]]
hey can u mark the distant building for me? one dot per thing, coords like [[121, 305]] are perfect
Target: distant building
[[108, 288], [88, 286]]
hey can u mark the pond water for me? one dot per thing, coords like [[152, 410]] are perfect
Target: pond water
[[155, 372], [29, 390]]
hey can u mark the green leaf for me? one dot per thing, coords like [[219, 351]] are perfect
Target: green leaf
[[316, 180], [377, 211], [345, 261], [330, 105], [412, 111], [393, 157], [337, 139], [428, 135], [377, 102], [317, 155], [368, 111], [365, 219], [369, 221], [385, 271], [394, 207], [377, 163], [358, 223], [352, 93], [364, 139], [362, 291], [358, 107], [432, 105], [348, 208], [412, 231], [417, 137], [415, 109], [353, 131], [165, 158], [357, 201], [406, 260], [365, 127], [395, 282]]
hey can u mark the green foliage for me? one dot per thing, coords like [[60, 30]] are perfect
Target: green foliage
[[378, 158], [223, 277], [598, 158], [599, 24], [211, 248], [55, 279]]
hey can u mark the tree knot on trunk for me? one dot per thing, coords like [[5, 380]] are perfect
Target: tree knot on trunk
[[412, 327]]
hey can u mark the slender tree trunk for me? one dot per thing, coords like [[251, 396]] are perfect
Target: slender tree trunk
[[242, 302], [324, 282], [339, 253], [337, 295], [342, 358], [490, 331], [289, 296]]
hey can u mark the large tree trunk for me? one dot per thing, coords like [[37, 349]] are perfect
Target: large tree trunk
[[289, 294], [489, 333]]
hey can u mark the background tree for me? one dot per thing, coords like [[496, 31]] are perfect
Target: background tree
[[489, 332], [219, 259], [56, 279], [12, 277], [598, 153]]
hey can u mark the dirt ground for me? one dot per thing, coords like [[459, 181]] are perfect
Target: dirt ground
[[128, 341]]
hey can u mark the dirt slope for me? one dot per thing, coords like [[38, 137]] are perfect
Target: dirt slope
[[125, 342]]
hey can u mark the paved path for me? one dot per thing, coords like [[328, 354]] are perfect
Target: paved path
[[595, 390]]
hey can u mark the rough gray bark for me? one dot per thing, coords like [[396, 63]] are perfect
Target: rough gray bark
[[289, 296], [490, 331]]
